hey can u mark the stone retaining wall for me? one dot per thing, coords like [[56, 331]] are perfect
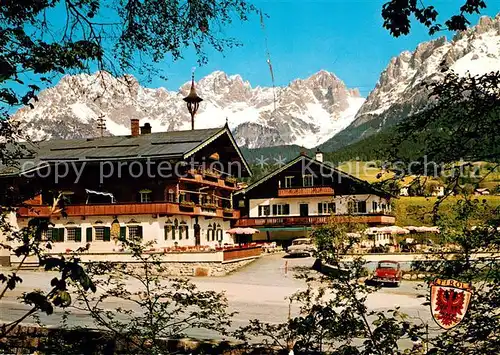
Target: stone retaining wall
[[210, 263], [37, 340]]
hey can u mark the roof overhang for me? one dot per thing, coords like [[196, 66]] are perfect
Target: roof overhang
[[224, 130]]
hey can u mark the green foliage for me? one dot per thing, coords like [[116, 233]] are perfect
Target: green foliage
[[332, 316], [397, 16], [115, 36], [446, 127]]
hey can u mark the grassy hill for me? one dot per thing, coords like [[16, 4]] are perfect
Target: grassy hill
[[417, 211]]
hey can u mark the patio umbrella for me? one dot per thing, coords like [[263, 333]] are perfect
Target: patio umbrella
[[387, 230], [239, 230]]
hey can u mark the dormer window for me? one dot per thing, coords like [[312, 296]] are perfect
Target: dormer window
[[307, 180], [288, 181], [145, 195]]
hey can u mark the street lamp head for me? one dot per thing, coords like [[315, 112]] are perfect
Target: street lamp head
[[193, 101]]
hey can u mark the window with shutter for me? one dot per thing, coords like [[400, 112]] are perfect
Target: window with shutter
[[61, 235], [78, 234], [107, 234], [214, 231], [286, 209], [123, 233], [264, 210], [307, 180], [99, 233], [89, 234], [209, 232], [135, 233], [275, 209], [71, 234]]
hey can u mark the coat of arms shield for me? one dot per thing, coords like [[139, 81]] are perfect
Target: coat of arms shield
[[450, 300]]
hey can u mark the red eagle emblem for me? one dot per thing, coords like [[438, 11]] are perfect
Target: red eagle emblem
[[449, 302]]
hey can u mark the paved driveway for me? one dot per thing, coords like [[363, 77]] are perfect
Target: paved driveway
[[257, 291]]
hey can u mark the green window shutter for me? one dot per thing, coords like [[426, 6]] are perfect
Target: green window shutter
[[78, 235], [61, 235], [139, 233], [107, 234], [173, 233], [123, 233], [89, 234], [166, 230], [275, 209], [187, 232], [320, 208], [286, 209]]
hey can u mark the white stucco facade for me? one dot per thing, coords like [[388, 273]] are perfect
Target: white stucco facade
[[374, 204], [153, 231]]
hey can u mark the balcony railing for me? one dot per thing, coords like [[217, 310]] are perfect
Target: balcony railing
[[216, 181], [372, 219], [305, 191], [116, 209]]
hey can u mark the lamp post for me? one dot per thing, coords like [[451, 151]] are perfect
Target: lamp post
[[192, 101]]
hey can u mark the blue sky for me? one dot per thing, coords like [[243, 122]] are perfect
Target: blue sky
[[304, 36], [342, 36]]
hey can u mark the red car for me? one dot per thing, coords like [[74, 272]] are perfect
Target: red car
[[388, 272]]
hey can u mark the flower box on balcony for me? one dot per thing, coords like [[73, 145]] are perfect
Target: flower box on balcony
[[231, 180], [187, 204], [211, 206], [228, 210], [209, 172]]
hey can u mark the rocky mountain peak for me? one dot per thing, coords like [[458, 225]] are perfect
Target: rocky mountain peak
[[399, 93], [302, 113]]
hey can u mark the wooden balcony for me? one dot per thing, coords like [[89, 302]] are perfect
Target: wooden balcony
[[197, 178], [305, 191], [370, 219], [117, 209]]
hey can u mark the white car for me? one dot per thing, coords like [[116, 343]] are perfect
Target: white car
[[301, 246]]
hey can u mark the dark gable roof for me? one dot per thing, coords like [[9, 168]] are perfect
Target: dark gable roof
[[171, 145], [370, 187]]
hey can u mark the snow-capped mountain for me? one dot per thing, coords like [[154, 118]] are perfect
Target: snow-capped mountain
[[398, 92], [306, 112]]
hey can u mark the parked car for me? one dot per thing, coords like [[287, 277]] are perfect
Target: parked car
[[388, 272], [301, 246]]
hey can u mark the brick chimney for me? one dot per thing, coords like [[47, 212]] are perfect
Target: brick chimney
[[134, 127], [146, 129]]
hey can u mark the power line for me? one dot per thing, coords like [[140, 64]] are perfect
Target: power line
[[268, 57]]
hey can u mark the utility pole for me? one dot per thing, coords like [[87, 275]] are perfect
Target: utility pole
[[101, 124]]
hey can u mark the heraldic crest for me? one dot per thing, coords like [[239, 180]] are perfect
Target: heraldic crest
[[450, 300]]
